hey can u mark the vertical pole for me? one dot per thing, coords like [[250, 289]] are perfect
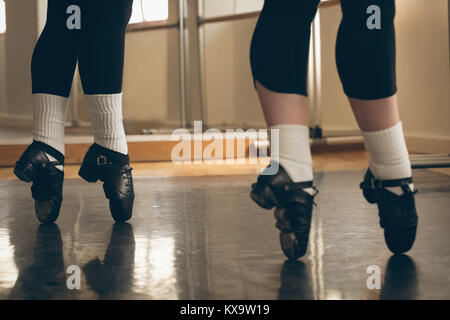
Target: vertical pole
[[311, 82], [317, 71], [74, 101], [193, 62], [314, 76], [201, 55], [182, 63]]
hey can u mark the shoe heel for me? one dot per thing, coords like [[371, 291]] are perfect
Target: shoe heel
[[263, 196], [25, 171], [88, 173], [369, 195]]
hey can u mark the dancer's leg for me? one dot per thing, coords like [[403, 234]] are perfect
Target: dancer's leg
[[365, 54], [52, 68], [101, 61], [279, 57]]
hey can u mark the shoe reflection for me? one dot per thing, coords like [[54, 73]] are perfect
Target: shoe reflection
[[295, 282], [45, 277], [400, 281], [113, 278]]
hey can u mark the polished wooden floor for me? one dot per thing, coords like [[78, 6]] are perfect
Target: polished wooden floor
[[195, 234], [203, 238]]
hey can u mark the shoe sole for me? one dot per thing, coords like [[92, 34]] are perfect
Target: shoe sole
[[260, 201], [288, 240], [290, 246], [400, 241], [47, 211]]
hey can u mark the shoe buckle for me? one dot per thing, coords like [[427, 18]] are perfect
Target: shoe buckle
[[101, 161]]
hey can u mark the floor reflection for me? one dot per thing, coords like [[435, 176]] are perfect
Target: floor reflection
[[203, 238], [154, 271], [45, 277], [8, 269], [113, 278], [295, 282], [400, 281]]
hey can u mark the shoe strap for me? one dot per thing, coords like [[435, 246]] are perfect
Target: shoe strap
[[55, 163], [103, 160], [381, 184], [299, 185], [58, 156]]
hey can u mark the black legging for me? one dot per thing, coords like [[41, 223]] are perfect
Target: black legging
[[98, 47], [365, 57]]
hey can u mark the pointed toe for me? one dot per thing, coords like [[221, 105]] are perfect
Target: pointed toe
[[121, 209], [47, 211]]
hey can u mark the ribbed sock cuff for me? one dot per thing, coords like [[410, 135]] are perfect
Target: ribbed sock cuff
[[389, 158], [105, 112], [49, 116], [293, 151]]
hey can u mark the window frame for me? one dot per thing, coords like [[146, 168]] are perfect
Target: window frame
[[170, 22], [2, 33]]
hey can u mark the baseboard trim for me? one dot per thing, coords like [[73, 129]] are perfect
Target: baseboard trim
[[430, 144], [16, 121], [160, 150], [141, 151]]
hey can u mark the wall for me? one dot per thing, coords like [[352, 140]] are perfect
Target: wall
[[336, 112], [151, 78], [423, 74], [151, 81], [230, 97], [423, 71], [151, 84], [214, 8], [3, 99], [20, 37], [424, 79]]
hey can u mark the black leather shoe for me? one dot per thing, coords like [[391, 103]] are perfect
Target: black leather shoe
[[398, 216], [113, 169], [34, 166], [293, 209]]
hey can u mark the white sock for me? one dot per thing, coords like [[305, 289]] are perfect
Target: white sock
[[49, 116], [105, 112], [294, 153], [388, 155]]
